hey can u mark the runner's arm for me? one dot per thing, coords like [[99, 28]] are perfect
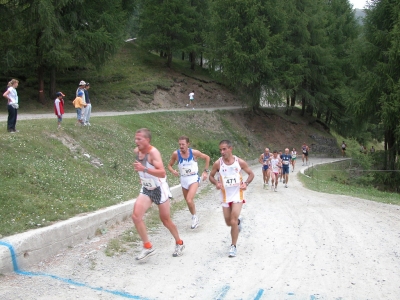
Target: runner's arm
[[245, 167], [198, 154], [214, 170], [174, 158]]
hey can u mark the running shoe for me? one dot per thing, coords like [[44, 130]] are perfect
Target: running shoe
[[275, 189], [195, 222], [187, 105], [284, 181], [232, 251], [285, 185], [240, 223], [145, 253], [178, 250]]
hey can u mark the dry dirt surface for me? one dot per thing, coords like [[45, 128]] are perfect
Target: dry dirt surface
[[295, 244]]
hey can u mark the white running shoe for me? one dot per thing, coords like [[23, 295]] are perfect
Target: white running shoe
[[146, 253], [275, 189], [178, 250], [187, 105], [195, 222], [285, 185], [232, 251]]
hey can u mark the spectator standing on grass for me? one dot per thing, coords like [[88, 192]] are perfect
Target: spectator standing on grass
[[232, 187], [88, 108], [189, 173], [59, 107], [155, 190], [79, 104], [81, 88], [191, 99], [12, 105]]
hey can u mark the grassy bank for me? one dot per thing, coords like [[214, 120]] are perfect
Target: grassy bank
[[48, 175], [343, 179]]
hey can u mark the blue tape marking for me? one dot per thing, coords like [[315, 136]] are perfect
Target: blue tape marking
[[312, 297], [223, 292], [13, 256], [66, 280], [290, 294], [259, 294]]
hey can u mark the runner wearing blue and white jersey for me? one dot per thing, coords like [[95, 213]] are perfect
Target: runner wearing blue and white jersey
[[286, 158], [189, 173]]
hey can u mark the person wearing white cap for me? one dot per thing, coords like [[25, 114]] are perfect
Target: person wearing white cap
[[81, 88], [88, 108]]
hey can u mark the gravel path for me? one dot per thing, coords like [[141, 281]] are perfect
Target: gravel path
[[295, 244], [3, 117]]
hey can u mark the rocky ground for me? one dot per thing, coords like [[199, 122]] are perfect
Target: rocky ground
[[295, 244]]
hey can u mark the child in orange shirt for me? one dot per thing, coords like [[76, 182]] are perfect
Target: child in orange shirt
[[79, 104]]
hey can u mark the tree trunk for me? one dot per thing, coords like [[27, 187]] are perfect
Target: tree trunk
[[303, 105], [161, 54], [288, 107], [310, 109], [319, 113], [293, 99], [201, 59], [192, 60], [40, 74], [52, 91], [169, 60], [183, 55]]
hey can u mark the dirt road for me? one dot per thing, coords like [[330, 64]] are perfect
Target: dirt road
[[3, 117], [295, 244]]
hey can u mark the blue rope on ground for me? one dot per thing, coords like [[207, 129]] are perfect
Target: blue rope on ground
[[66, 280]]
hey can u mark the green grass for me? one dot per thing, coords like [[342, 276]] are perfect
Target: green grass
[[43, 181], [126, 80], [345, 179]]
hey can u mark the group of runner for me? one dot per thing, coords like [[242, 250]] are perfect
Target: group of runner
[[276, 166], [155, 188]]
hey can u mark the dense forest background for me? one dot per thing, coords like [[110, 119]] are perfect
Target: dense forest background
[[314, 53]]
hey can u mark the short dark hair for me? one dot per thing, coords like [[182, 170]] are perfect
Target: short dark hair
[[184, 137], [227, 142]]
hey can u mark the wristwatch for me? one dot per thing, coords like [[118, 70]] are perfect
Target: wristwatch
[[207, 170], [145, 170]]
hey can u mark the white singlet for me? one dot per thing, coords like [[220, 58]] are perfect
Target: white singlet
[[275, 165], [231, 179]]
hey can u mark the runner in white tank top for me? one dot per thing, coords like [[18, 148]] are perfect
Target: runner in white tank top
[[232, 188], [276, 163], [189, 173]]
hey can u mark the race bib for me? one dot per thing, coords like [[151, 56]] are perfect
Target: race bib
[[293, 155], [285, 162], [148, 183], [187, 171], [304, 151], [231, 180]]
